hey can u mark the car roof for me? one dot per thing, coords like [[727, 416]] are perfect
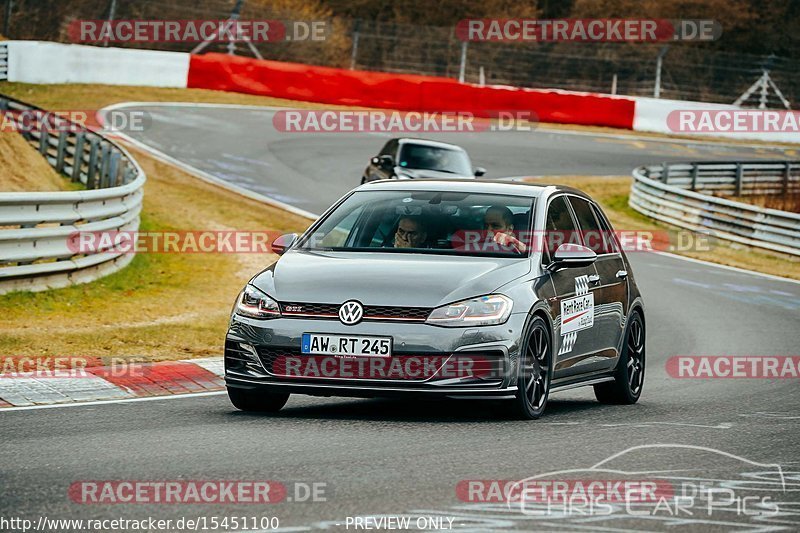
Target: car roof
[[428, 142], [517, 187]]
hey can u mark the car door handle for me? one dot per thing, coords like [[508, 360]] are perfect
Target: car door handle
[[594, 278], [622, 274]]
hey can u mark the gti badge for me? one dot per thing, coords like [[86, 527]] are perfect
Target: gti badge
[[351, 313]]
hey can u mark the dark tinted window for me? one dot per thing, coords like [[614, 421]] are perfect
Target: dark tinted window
[[591, 234], [389, 148], [610, 245], [559, 226], [436, 222], [425, 157]]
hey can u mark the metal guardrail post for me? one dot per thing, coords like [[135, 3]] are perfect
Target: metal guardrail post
[[77, 160], [739, 174], [665, 173], [787, 172], [43, 141], [113, 169], [104, 165], [694, 176], [62, 151], [90, 175]]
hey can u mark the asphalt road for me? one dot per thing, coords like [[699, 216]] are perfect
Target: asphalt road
[[311, 170], [379, 457]]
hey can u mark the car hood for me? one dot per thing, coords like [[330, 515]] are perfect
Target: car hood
[[385, 278], [415, 173]]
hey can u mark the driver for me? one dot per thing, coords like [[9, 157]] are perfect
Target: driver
[[498, 221], [411, 233]]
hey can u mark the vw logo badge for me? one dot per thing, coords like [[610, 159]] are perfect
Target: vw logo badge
[[351, 313]]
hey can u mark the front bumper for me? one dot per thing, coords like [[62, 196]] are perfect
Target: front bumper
[[253, 346]]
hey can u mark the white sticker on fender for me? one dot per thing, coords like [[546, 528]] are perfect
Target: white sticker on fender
[[577, 313]]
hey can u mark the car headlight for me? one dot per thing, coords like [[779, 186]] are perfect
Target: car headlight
[[481, 311], [255, 304]]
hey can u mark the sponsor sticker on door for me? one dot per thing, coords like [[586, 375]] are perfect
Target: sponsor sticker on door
[[577, 313]]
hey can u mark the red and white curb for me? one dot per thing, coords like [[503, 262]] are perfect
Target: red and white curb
[[100, 383]]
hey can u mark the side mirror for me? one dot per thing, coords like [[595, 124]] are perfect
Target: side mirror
[[283, 243], [572, 256], [386, 161], [479, 171]]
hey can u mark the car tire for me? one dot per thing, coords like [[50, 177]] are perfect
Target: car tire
[[535, 371], [252, 401], [629, 375]]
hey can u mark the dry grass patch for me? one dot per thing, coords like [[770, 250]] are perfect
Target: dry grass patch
[[782, 202], [22, 168], [612, 194]]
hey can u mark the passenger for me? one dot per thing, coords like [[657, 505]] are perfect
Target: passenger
[[498, 221], [411, 233]]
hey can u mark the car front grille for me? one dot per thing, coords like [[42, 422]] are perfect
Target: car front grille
[[487, 367], [371, 312]]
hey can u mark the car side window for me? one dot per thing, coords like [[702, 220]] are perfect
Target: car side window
[[591, 234], [341, 233], [389, 148], [559, 227], [610, 245]]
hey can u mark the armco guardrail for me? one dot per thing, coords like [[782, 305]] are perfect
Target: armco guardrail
[[3, 61], [36, 251], [730, 179], [674, 194]]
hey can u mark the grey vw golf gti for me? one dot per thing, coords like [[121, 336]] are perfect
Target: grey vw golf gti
[[453, 288]]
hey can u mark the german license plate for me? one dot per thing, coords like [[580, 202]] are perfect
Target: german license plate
[[345, 345]]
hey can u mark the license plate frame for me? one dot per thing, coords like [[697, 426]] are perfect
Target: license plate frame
[[331, 344]]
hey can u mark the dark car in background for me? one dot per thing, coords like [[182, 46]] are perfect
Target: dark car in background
[[440, 288], [406, 158]]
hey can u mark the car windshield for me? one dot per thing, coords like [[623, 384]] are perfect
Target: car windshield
[[429, 222], [424, 157]]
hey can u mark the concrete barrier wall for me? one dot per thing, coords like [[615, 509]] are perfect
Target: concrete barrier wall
[[651, 115], [43, 62], [406, 92]]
